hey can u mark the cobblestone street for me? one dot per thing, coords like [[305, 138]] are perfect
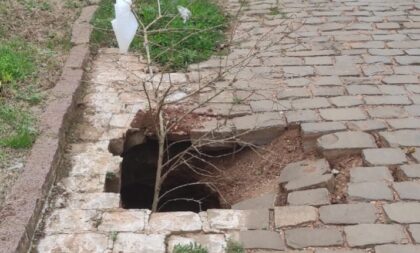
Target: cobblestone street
[[346, 72]]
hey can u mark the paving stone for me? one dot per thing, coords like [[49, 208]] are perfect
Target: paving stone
[[386, 112], [297, 82], [413, 110], [392, 248], [367, 191], [400, 79], [261, 239], [407, 70], [407, 60], [86, 242], [102, 200], [386, 52], [416, 155], [294, 117], [377, 59], [285, 216], [264, 201], [293, 93], [174, 222], [328, 81], [339, 251], [389, 25], [304, 168], [366, 125], [384, 156], [321, 60], [299, 238], [403, 212], [414, 230], [370, 174], [238, 219], [356, 89], [345, 70], [310, 182], [346, 101], [310, 103], [407, 190], [214, 243], [259, 128], [269, 106], [392, 89], [348, 213], [311, 130], [408, 123], [387, 100], [124, 221], [411, 170], [337, 114], [298, 71], [71, 221], [333, 145], [328, 91], [402, 138], [315, 197], [363, 235], [139, 243]]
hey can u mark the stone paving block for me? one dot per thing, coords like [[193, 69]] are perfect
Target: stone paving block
[[294, 117], [386, 52], [264, 201], [348, 213], [285, 216], [411, 170], [414, 230], [174, 222], [238, 219], [327, 81], [310, 103], [304, 168], [298, 71], [384, 156], [364, 235], [270, 106], [344, 70], [402, 138], [71, 221], [367, 191], [416, 155], [413, 110], [293, 82], [408, 123], [366, 125], [387, 100], [101, 200], [214, 243], [86, 242], [336, 144], [310, 182], [259, 128], [403, 212], [315, 197], [392, 248], [370, 174], [124, 221], [400, 79], [386, 112], [356, 89], [346, 101], [261, 239], [327, 91], [407, 60], [293, 93], [139, 243], [392, 89], [337, 114], [407, 190], [299, 238], [311, 130], [340, 251]]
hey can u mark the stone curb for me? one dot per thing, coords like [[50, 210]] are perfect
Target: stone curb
[[23, 206]]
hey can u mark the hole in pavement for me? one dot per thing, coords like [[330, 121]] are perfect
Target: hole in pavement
[[138, 175]]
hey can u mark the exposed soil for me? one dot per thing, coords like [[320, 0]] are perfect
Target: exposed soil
[[255, 171], [45, 25]]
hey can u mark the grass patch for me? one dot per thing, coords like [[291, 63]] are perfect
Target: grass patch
[[191, 248], [177, 44], [16, 128], [234, 247], [16, 61]]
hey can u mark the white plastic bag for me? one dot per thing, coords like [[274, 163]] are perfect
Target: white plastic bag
[[185, 13], [124, 25]]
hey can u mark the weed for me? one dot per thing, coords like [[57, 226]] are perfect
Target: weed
[[16, 128], [113, 235], [237, 100], [274, 11], [234, 247], [191, 248], [173, 43], [16, 60]]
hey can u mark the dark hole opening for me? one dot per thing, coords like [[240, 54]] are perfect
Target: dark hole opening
[[138, 175]]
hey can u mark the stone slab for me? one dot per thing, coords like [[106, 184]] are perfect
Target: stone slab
[[369, 191], [370, 174], [263, 201], [125, 221], [304, 168], [392, 248], [414, 230], [407, 190], [315, 197], [261, 239], [294, 215], [403, 212], [174, 222], [364, 235], [402, 138], [348, 214], [310, 182], [299, 238], [139, 243], [238, 219], [384, 156], [411, 170], [86, 242]]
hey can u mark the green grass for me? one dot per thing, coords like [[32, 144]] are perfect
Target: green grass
[[16, 128], [179, 44], [16, 61], [191, 248], [234, 247]]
